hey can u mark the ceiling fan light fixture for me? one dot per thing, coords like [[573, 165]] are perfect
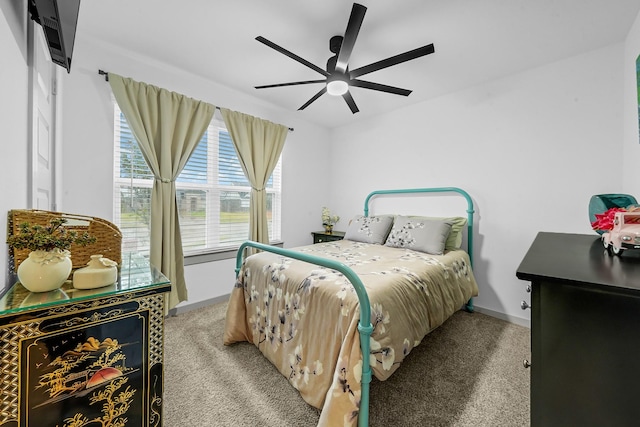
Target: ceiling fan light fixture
[[337, 87]]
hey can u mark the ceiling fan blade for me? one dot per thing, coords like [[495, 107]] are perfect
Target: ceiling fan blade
[[313, 98], [393, 60], [350, 102], [350, 36], [380, 87], [292, 55], [306, 82]]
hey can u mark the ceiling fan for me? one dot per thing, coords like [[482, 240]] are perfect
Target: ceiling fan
[[338, 78]]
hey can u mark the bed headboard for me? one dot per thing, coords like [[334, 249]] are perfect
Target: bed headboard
[[463, 193]]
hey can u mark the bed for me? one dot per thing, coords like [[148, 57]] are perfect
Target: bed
[[313, 311]]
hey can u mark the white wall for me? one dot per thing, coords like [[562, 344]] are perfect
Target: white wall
[[88, 149], [14, 114], [529, 148], [631, 152]]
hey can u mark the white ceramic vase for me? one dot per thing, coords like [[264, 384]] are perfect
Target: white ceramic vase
[[44, 271], [99, 272]]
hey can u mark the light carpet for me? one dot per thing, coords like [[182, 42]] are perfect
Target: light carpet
[[467, 372]]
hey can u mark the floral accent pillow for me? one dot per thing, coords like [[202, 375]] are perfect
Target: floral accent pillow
[[420, 234], [369, 229]]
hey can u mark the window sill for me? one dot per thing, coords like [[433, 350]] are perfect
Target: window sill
[[218, 255]]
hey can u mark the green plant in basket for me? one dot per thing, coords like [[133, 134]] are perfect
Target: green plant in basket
[[49, 263], [36, 237]]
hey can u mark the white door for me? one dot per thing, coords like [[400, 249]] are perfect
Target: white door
[[43, 133]]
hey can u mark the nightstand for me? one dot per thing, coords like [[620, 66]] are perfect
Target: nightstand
[[323, 236]]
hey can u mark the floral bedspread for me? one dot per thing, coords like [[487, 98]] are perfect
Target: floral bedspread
[[304, 317]]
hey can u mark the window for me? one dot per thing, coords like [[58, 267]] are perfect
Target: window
[[212, 193]]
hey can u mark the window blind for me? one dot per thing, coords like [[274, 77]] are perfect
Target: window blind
[[212, 193]]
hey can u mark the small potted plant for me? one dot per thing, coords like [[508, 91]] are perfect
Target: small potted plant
[[328, 220], [49, 263]]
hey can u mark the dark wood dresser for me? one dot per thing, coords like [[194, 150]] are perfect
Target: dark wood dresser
[[585, 332], [85, 357]]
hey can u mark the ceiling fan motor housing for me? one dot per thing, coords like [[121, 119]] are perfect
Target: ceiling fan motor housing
[[335, 43]]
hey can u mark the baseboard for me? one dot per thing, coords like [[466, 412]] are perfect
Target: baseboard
[[511, 319], [181, 309]]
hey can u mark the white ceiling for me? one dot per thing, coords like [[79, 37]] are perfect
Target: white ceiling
[[474, 40]]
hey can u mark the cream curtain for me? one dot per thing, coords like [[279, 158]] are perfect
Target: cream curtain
[[167, 126], [258, 143]]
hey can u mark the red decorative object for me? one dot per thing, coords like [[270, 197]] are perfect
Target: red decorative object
[[604, 221]]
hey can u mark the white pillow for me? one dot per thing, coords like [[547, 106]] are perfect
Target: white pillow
[[369, 229], [420, 234]]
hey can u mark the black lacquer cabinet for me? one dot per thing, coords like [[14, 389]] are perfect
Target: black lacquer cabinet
[[85, 357]]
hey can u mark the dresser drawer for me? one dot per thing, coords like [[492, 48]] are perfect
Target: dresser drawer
[[322, 236]]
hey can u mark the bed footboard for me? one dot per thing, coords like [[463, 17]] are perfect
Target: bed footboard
[[365, 327]]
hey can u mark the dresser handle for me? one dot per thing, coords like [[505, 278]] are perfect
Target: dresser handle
[[526, 364], [528, 288], [524, 305]]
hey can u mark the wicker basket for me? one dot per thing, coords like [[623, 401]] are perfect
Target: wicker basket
[[108, 236]]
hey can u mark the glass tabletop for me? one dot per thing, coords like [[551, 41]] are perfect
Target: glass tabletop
[[135, 274]]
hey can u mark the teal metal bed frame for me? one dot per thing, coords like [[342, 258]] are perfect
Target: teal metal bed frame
[[364, 325]]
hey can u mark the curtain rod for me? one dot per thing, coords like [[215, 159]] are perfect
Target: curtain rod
[[106, 79]]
